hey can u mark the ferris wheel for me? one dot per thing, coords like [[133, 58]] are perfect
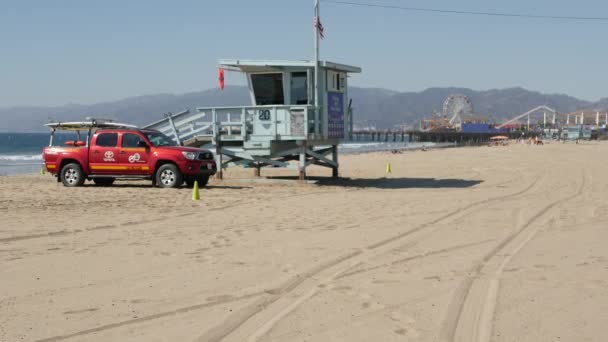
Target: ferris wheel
[[456, 106]]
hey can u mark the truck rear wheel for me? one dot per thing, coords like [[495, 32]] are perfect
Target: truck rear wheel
[[169, 176], [72, 175], [103, 181]]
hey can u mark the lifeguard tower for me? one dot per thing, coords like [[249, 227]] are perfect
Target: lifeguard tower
[[285, 122], [300, 111]]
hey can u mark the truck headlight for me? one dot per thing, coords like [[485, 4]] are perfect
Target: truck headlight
[[189, 155]]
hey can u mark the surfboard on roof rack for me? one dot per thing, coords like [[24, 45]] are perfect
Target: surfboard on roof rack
[[86, 125]]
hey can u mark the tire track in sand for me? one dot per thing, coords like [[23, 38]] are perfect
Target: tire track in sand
[[235, 204], [61, 233], [148, 318], [259, 319], [267, 298], [471, 312], [414, 257]]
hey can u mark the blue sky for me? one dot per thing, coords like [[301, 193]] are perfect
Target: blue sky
[[86, 51]]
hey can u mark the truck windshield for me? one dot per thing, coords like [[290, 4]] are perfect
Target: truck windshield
[[159, 139]]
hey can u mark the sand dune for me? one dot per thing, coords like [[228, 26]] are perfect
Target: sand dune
[[470, 244]]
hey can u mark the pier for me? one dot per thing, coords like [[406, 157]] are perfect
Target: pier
[[465, 138]]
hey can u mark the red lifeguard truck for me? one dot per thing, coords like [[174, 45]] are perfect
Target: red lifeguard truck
[[112, 151]]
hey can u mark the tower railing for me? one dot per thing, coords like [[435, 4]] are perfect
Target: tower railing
[[243, 123]]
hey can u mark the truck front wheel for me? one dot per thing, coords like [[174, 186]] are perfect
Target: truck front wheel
[[72, 175], [169, 176]]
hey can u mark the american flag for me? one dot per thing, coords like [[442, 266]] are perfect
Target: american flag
[[319, 26]]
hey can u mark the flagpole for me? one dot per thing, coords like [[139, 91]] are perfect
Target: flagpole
[[316, 26]]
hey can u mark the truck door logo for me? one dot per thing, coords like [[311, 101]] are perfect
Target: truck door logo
[[134, 158], [108, 156]]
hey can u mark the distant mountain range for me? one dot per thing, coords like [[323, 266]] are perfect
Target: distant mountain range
[[372, 106]]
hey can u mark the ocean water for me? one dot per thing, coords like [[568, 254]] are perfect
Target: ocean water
[[22, 152], [362, 147]]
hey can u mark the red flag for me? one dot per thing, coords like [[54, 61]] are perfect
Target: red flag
[[319, 26], [221, 78]]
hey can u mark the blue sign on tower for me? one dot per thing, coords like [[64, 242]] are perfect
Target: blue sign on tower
[[335, 113]]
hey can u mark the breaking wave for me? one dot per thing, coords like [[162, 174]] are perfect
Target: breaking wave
[[21, 158]]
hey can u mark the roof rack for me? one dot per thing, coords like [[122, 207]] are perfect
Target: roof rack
[[89, 124]]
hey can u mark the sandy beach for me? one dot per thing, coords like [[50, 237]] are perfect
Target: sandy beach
[[467, 244]]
